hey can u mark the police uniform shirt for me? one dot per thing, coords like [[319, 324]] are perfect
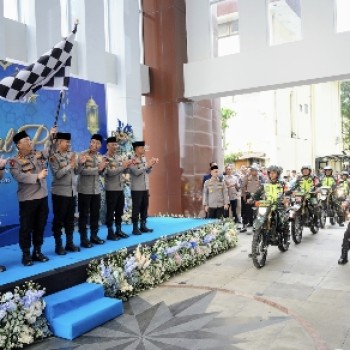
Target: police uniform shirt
[[113, 173], [25, 170], [64, 181], [89, 175], [233, 186], [215, 193], [139, 174]]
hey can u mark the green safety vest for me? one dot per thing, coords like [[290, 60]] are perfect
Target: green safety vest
[[306, 184], [346, 187], [328, 181], [273, 191]]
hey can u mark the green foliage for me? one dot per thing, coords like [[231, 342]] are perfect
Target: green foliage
[[226, 115], [345, 112], [231, 157]]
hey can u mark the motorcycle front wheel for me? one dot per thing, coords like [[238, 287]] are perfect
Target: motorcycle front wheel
[[259, 248], [297, 229], [284, 245]]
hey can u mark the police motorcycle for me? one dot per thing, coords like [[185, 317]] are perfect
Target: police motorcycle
[[302, 214], [340, 195], [328, 206], [269, 229]]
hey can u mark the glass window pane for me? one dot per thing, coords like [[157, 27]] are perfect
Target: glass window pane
[[11, 9], [343, 15], [225, 27], [284, 17]]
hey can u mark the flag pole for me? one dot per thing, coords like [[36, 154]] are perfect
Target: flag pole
[[62, 91], [58, 108]]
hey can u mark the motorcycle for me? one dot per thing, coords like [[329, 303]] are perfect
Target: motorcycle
[[268, 230], [328, 208], [340, 196], [302, 214]]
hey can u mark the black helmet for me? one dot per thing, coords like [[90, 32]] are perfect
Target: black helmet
[[275, 168], [306, 167], [345, 173]]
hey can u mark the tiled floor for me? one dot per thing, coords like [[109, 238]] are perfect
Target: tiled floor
[[299, 300]]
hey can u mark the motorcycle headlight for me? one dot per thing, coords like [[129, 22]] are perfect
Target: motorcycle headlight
[[262, 211], [340, 193]]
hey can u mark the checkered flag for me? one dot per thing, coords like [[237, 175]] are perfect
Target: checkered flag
[[50, 71]]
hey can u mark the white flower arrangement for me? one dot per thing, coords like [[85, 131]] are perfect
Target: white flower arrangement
[[124, 275], [21, 316]]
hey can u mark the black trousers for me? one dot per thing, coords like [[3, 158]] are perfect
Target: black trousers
[[89, 204], [115, 207], [247, 213], [139, 205], [63, 214], [346, 239], [32, 219], [215, 213], [233, 204]]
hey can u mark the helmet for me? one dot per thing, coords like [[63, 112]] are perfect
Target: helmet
[[306, 167], [254, 167], [345, 173], [328, 168], [275, 168]]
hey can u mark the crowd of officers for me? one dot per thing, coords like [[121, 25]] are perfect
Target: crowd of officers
[[75, 175], [238, 190]]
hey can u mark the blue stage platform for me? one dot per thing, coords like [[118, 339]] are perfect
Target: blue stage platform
[[10, 256]]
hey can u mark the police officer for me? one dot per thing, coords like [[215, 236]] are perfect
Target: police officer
[[250, 184], [215, 195], [273, 191], [328, 179], [63, 164], [346, 239], [115, 199], [91, 165], [29, 169], [306, 184], [140, 168], [2, 169]]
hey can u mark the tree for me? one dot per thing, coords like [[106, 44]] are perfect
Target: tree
[[226, 115], [345, 112], [232, 157]]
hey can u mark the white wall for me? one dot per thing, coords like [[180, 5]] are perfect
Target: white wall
[[322, 55]]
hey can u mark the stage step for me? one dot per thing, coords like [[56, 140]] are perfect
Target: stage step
[[76, 310]]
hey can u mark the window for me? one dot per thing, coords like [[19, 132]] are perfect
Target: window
[[142, 50], [225, 27], [284, 18], [343, 15], [66, 26], [11, 9]]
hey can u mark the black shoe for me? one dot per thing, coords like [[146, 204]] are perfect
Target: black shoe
[[96, 239], [85, 243], [342, 261], [341, 225], [122, 235], [135, 229], [111, 236], [70, 247], [144, 228], [27, 260], [119, 233], [2, 268], [59, 250], [39, 256]]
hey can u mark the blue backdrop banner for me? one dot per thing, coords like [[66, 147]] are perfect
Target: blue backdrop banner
[[83, 113]]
